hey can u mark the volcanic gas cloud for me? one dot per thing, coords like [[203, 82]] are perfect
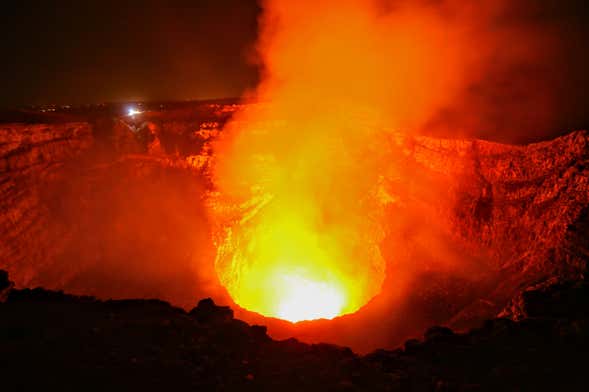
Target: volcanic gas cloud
[[298, 204]]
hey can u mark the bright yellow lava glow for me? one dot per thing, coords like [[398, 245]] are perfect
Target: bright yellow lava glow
[[278, 263], [307, 300]]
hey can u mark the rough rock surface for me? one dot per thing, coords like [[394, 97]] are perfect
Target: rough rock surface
[[31, 157], [91, 208], [53, 341], [525, 208]]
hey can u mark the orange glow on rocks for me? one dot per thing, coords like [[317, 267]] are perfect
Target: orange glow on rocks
[[298, 200]]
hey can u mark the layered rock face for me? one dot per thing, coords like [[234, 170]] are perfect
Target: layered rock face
[[96, 209], [115, 209], [31, 158], [519, 211]]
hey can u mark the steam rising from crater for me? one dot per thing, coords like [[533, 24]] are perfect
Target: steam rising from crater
[[299, 201]]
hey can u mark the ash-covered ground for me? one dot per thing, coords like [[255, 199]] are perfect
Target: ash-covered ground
[[111, 206]]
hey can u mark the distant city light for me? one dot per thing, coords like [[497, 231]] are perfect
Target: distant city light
[[132, 111]]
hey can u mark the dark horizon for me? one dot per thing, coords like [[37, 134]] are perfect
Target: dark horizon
[[94, 52]]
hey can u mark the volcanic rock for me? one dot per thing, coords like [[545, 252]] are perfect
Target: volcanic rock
[[5, 285], [557, 300], [31, 157], [72, 343], [207, 311], [521, 211], [82, 200]]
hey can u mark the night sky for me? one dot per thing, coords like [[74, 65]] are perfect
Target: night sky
[[102, 51], [95, 51]]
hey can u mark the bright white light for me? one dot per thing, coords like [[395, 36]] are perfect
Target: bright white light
[[132, 111], [304, 299]]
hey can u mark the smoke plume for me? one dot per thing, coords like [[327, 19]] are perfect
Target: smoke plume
[[299, 175]]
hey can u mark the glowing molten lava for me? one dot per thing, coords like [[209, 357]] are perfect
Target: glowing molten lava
[[286, 258], [303, 299]]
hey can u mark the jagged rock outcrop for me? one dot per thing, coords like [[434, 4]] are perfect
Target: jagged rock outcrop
[[550, 299], [31, 157], [73, 343], [523, 209], [5, 285], [81, 199]]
